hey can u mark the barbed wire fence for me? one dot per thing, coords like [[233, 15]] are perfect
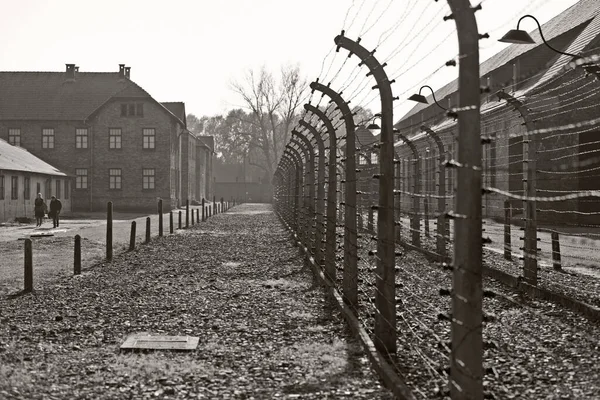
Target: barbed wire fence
[[499, 180]]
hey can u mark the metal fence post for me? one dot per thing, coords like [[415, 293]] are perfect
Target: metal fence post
[[109, 230], [77, 256], [171, 222], [132, 236], [187, 214], [160, 217], [203, 210], [28, 267], [147, 229]]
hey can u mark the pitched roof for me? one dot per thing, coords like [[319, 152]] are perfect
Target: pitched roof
[[364, 137], [177, 108], [208, 140], [15, 158], [49, 96], [578, 14]]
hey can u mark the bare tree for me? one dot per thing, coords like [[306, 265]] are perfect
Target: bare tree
[[273, 105]]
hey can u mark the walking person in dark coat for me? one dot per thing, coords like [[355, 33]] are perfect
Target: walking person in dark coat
[[39, 209], [55, 207]]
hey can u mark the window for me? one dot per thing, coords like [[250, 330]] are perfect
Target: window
[[114, 138], [48, 188], [14, 137], [81, 138], [66, 195], [14, 187], [132, 110], [362, 160], [1, 187], [373, 158], [114, 178], [27, 188], [149, 138], [81, 178], [38, 187], [48, 138], [57, 194], [148, 178]]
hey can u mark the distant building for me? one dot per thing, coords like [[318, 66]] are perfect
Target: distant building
[[22, 177], [554, 96], [119, 143]]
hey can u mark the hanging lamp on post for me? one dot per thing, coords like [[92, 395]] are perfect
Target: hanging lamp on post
[[373, 126], [518, 36], [419, 98]]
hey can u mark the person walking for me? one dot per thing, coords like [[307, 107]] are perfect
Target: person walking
[[55, 207], [39, 209]]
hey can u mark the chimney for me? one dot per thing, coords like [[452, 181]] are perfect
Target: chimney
[[121, 71], [70, 71], [127, 72]]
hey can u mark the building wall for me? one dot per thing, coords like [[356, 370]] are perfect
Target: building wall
[[63, 156], [98, 158], [23, 206], [131, 158]]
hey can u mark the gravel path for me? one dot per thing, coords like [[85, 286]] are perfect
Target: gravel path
[[235, 281]]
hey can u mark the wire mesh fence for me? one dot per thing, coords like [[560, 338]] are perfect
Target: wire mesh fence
[[502, 181]]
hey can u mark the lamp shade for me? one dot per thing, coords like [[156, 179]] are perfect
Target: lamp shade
[[517, 36], [419, 98]]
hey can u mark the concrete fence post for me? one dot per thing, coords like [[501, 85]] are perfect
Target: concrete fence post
[[529, 189], [556, 263], [171, 222], [331, 220], [385, 328], [203, 210], [466, 358], [350, 277], [507, 240]]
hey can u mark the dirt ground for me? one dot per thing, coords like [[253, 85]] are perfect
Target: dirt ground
[[53, 255], [236, 282]]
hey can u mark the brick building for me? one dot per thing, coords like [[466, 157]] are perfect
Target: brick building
[[103, 129], [552, 95], [22, 177]]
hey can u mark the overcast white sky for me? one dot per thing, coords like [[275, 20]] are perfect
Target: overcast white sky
[[190, 50]]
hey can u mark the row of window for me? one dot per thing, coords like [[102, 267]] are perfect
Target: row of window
[[14, 188], [81, 138], [115, 178]]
